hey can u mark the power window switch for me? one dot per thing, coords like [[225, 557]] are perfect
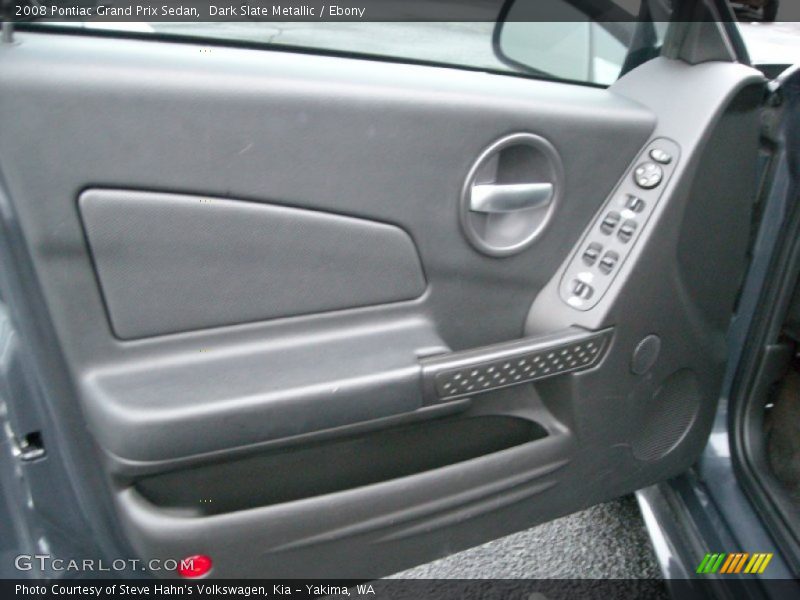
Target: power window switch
[[634, 203], [582, 290], [626, 231], [609, 222], [591, 253], [608, 262]]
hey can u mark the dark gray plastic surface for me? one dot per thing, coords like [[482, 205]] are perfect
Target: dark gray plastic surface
[[393, 144], [350, 137], [209, 400], [169, 262], [336, 465]]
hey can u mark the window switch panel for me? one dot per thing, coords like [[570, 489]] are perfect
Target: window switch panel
[[618, 227]]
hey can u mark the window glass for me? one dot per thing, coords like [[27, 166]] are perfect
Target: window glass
[[572, 47], [577, 47], [453, 43]]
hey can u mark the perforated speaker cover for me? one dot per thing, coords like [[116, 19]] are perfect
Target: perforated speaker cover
[[669, 417]]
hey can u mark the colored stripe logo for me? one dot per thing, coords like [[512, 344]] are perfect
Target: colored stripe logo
[[736, 562]]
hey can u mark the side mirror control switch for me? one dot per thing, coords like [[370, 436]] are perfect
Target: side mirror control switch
[[648, 175]]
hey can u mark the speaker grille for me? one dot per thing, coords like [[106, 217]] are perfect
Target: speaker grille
[[669, 416]]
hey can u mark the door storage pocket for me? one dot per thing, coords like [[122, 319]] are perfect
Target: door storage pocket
[[335, 465]]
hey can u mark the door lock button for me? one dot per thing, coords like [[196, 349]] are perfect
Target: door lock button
[[634, 203], [648, 175], [608, 262], [661, 156], [591, 253], [582, 289], [626, 231], [610, 222]]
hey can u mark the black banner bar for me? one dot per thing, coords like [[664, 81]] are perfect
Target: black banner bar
[[345, 10], [397, 589]]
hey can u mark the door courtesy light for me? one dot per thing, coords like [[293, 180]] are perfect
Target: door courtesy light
[[194, 566]]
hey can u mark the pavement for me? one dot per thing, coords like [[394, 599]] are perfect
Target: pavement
[[608, 541]]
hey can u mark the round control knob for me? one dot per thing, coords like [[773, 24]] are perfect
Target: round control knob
[[661, 156], [648, 175]]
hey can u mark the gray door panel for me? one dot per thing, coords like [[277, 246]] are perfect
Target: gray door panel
[[361, 388], [169, 263]]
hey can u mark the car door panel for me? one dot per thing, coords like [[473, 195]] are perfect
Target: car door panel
[[389, 179], [298, 406]]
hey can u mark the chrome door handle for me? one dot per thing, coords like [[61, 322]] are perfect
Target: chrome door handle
[[511, 197]]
